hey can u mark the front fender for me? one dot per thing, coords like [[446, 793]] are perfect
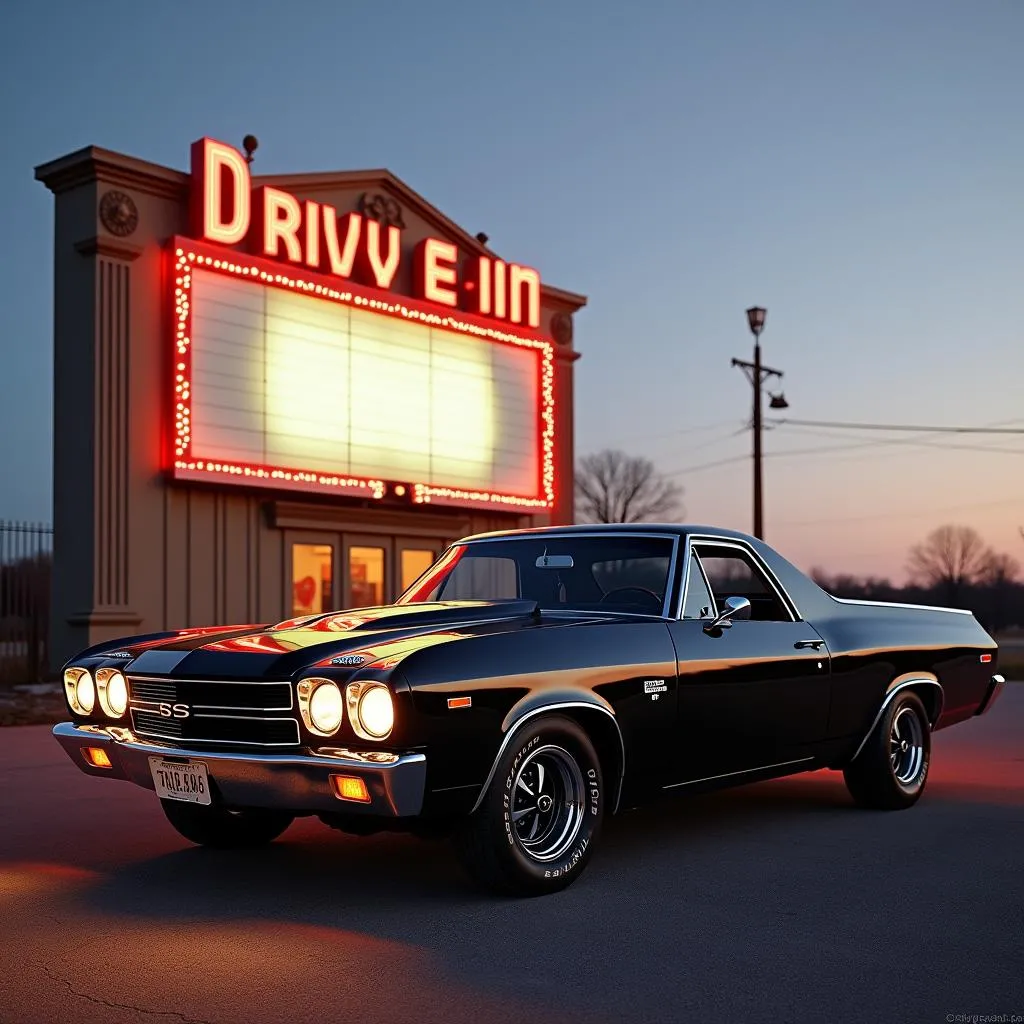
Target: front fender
[[589, 709]]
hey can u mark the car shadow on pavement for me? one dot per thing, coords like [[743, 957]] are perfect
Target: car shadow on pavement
[[312, 870]]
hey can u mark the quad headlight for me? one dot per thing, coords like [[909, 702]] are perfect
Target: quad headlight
[[371, 709], [112, 688], [80, 690], [321, 706]]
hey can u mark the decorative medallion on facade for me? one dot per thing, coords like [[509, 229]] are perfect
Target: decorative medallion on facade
[[118, 213], [382, 209], [561, 328]]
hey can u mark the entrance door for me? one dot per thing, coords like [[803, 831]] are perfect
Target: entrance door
[[332, 571], [312, 574], [378, 569], [413, 558], [368, 563]]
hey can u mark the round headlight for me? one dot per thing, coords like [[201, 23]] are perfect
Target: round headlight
[[113, 692], [78, 689], [326, 708], [85, 693], [375, 712]]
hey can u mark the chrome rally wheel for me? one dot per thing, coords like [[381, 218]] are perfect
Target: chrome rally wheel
[[548, 798], [906, 746], [891, 770], [536, 825]]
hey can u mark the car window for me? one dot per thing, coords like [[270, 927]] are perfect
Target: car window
[[698, 603], [731, 572], [633, 574], [624, 573], [494, 579]]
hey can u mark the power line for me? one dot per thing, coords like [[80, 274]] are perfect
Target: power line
[[681, 430], [914, 428], [830, 449]]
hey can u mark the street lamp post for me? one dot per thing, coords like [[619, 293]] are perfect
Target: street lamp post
[[757, 374]]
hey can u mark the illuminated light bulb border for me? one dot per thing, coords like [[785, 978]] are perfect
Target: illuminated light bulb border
[[189, 254]]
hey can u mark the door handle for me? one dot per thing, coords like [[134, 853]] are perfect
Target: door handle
[[801, 644]]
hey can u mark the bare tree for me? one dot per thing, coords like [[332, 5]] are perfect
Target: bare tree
[[999, 569], [613, 487], [950, 557]]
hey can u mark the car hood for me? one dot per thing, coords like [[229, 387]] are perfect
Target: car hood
[[381, 635]]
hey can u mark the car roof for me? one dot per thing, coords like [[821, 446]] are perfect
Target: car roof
[[678, 529]]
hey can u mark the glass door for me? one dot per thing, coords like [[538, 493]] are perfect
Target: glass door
[[367, 563], [414, 558], [312, 570]]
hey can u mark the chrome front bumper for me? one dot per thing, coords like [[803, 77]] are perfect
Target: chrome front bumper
[[995, 689], [294, 782]]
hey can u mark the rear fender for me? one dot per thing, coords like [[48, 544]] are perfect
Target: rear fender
[[924, 684]]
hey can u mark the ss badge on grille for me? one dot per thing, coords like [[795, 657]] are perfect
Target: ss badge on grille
[[174, 710]]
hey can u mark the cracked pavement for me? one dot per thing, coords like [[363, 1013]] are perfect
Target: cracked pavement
[[774, 902]]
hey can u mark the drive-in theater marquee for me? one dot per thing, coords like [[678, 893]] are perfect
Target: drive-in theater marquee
[[295, 367]]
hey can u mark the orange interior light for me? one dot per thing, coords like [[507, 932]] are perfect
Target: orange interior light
[[348, 787], [97, 757]]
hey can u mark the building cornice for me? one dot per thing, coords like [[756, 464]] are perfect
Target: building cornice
[[110, 247], [90, 164]]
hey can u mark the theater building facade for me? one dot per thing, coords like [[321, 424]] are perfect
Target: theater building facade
[[277, 395]]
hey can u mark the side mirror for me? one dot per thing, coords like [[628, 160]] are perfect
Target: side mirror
[[735, 608]]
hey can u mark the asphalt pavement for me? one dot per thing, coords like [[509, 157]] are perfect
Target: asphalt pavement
[[774, 902]]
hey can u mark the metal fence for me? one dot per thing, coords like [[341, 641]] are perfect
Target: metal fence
[[26, 559]]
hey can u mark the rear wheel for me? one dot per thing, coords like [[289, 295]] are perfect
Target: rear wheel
[[891, 771], [218, 827], [535, 829]]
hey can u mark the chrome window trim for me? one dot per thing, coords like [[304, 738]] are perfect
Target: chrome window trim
[[888, 700], [691, 556], [728, 542], [900, 604], [514, 728], [591, 534]]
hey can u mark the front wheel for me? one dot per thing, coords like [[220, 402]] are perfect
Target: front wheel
[[536, 827], [218, 827], [891, 771]]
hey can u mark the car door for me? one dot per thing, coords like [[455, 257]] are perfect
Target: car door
[[753, 694]]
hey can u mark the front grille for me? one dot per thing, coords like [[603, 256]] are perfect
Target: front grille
[[213, 711]]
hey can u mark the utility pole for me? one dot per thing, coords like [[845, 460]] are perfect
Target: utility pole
[[757, 374]]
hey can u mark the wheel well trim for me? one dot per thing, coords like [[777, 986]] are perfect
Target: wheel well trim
[[903, 684], [560, 705]]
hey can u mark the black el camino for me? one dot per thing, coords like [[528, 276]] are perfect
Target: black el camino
[[528, 684]]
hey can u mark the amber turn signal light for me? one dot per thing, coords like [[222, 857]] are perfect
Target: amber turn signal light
[[348, 787], [97, 757]]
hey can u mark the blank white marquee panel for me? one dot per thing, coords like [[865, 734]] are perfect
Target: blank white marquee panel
[[284, 379]]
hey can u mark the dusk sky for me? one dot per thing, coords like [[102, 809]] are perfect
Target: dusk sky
[[855, 167]]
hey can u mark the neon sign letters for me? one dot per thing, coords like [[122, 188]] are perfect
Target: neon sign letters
[[272, 223]]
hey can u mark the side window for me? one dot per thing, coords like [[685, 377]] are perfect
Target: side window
[[733, 573], [698, 603]]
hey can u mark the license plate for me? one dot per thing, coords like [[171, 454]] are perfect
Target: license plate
[[180, 780]]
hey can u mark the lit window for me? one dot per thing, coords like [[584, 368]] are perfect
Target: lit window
[[414, 564], [312, 576], [366, 577]]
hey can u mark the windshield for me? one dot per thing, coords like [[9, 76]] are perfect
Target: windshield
[[624, 573]]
